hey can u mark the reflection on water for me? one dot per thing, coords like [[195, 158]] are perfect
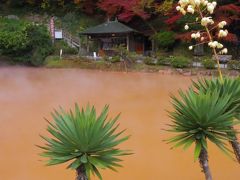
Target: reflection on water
[[27, 95]]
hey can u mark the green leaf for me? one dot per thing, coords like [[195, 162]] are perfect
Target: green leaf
[[197, 150], [85, 139], [188, 143], [97, 162], [84, 159], [75, 164], [207, 111], [97, 172]]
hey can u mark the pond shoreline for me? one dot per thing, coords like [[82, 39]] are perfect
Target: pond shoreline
[[120, 67]]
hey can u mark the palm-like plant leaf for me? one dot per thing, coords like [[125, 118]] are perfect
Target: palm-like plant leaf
[[85, 139], [229, 86], [202, 116], [226, 87]]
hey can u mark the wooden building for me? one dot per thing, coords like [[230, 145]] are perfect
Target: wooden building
[[113, 33]]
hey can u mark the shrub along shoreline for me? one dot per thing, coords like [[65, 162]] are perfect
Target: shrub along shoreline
[[121, 66], [164, 65]]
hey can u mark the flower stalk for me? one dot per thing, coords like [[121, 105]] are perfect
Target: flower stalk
[[214, 49], [204, 9]]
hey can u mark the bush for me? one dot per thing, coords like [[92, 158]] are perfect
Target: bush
[[65, 48], [164, 61], [209, 63], [132, 56], [52, 58], [148, 61], [70, 50], [121, 51], [105, 58], [234, 65], [165, 39], [13, 36], [38, 56], [40, 43], [114, 59], [180, 62], [24, 42]]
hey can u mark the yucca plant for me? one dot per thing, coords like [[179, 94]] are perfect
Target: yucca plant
[[201, 117], [226, 87], [85, 140]]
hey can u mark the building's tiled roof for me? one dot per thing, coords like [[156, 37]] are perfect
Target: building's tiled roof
[[109, 27]]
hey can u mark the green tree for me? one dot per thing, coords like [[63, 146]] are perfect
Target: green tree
[[86, 140], [40, 43], [164, 39], [25, 42], [227, 87], [201, 117], [13, 36]]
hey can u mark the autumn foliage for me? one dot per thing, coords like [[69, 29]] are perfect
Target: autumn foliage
[[149, 11], [227, 12], [125, 10]]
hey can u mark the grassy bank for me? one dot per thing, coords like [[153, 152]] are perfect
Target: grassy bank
[[81, 63], [70, 62]]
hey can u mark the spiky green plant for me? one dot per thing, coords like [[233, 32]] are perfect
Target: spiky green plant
[[85, 140], [226, 87], [201, 117]]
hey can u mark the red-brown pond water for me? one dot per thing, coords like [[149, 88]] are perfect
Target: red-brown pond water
[[27, 95]]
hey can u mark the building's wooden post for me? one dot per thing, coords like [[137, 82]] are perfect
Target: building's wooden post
[[80, 46], [153, 46], [143, 43], [87, 45], [128, 43], [99, 46]]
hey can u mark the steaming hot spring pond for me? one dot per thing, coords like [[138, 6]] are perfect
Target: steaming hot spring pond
[[27, 95]]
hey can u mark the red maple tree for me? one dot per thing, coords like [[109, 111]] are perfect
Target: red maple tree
[[125, 10]]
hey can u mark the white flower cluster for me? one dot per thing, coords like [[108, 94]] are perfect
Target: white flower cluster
[[196, 35], [211, 7], [217, 45], [191, 5], [223, 33], [203, 7], [206, 20], [186, 27], [222, 24], [224, 51]]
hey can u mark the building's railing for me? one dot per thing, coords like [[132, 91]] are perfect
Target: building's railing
[[72, 41]]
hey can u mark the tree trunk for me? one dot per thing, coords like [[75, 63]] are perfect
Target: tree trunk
[[203, 160], [236, 148], [81, 173]]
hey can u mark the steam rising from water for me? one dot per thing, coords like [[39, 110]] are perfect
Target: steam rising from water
[[29, 94]]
